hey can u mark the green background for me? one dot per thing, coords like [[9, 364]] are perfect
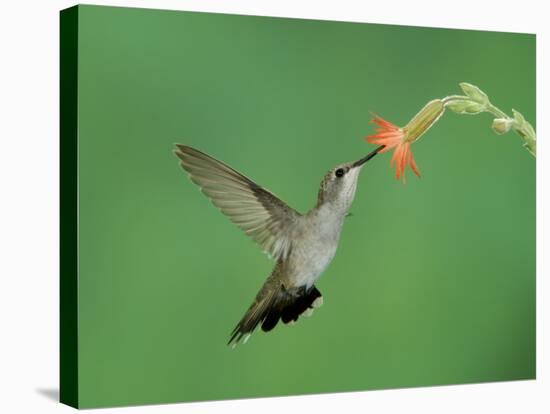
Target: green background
[[433, 281]]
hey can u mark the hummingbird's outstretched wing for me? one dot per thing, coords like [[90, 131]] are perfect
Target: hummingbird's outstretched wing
[[259, 213]]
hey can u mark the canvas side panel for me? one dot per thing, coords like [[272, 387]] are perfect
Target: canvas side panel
[[69, 206]]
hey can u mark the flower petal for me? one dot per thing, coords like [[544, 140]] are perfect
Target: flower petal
[[385, 149], [397, 159], [394, 157], [393, 137], [413, 166], [389, 142], [382, 123], [403, 158]]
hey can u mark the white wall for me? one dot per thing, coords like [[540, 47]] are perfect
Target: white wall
[[29, 204]]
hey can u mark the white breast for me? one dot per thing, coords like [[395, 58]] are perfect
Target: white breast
[[316, 248]]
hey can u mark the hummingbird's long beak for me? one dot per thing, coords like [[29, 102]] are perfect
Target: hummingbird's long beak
[[363, 160]]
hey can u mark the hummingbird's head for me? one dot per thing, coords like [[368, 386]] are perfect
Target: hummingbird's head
[[339, 184]]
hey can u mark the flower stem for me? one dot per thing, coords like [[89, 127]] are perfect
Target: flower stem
[[495, 111], [476, 101]]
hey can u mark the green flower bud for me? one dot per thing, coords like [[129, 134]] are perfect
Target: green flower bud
[[531, 146], [520, 120], [473, 92], [465, 106], [502, 125], [530, 130]]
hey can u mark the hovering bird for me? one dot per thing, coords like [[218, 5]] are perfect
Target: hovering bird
[[302, 245]]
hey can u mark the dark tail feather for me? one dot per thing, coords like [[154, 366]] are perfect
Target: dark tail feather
[[274, 303]]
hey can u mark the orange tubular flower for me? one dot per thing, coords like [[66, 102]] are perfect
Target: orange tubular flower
[[392, 136]]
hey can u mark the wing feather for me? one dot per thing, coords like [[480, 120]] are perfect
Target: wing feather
[[256, 211]]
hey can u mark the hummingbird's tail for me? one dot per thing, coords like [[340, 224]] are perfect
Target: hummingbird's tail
[[275, 302]]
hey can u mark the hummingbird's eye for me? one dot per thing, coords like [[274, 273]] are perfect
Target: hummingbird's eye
[[339, 172]]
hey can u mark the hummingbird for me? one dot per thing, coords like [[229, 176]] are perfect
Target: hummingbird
[[302, 245]]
